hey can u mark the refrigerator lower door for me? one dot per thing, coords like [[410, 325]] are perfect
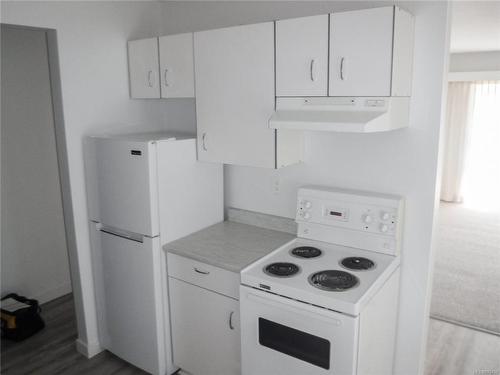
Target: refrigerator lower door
[[122, 184], [131, 313]]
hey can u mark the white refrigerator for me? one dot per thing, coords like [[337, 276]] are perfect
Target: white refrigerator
[[144, 190]]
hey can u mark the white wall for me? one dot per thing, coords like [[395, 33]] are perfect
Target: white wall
[[94, 76], [34, 254], [402, 162], [475, 61]]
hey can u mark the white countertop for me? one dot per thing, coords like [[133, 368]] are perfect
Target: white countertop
[[229, 245]]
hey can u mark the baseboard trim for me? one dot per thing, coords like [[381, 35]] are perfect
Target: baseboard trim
[[53, 293], [88, 350]]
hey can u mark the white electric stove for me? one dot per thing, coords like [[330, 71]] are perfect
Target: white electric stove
[[326, 302]]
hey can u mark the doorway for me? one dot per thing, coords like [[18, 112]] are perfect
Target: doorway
[[34, 252], [465, 309], [34, 200]]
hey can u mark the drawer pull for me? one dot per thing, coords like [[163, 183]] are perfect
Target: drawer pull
[[200, 271], [231, 326]]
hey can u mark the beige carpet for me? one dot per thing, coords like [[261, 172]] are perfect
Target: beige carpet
[[466, 286]]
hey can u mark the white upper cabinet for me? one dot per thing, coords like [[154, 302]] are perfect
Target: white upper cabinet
[[302, 56], [176, 66], [161, 67], [143, 68], [361, 52], [234, 70], [402, 55], [235, 98]]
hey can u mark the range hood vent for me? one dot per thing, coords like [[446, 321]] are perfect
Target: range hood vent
[[341, 114]]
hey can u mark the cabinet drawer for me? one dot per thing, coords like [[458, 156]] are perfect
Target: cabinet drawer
[[204, 275]]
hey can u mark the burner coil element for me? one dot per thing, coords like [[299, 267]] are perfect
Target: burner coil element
[[333, 280], [281, 269], [306, 252], [357, 263]]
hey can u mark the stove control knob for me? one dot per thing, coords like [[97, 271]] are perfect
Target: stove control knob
[[367, 219], [385, 215], [307, 216], [384, 228], [307, 204]]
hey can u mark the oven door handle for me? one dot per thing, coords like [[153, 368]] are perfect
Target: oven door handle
[[306, 310]]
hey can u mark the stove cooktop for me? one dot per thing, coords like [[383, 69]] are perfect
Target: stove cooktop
[[332, 276]]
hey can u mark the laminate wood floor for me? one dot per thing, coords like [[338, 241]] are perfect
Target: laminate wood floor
[[52, 351], [452, 350], [456, 350]]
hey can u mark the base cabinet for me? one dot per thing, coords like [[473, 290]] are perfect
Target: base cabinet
[[205, 330]]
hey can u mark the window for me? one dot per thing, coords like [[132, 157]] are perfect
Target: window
[[482, 169]]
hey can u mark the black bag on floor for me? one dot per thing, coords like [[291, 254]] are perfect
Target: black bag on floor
[[23, 321]]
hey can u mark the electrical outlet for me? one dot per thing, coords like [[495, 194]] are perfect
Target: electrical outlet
[[276, 185]]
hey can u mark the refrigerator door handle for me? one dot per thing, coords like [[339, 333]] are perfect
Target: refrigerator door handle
[[123, 234]]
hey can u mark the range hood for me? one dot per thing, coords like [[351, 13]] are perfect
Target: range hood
[[341, 114]]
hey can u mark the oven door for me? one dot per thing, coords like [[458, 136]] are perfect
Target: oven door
[[281, 336]]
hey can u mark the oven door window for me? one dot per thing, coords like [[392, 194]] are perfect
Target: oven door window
[[295, 343]]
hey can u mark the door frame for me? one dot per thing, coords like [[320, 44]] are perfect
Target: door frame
[[82, 344]]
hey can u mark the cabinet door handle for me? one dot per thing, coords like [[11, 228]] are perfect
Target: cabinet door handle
[[203, 144], [165, 78], [150, 78], [312, 71], [200, 271], [342, 76], [231, 326]]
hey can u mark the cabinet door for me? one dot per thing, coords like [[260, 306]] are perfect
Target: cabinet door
[[361, 52], [234, 70], [176, 66], [205, 330], [302, 56], [143, 68]]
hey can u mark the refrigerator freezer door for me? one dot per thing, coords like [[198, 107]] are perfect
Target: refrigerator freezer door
[[130, 299], [123, 187]]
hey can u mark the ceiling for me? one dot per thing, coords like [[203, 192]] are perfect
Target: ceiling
[[475, 26]]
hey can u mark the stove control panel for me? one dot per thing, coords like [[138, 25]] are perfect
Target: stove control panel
[[352, 218]]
